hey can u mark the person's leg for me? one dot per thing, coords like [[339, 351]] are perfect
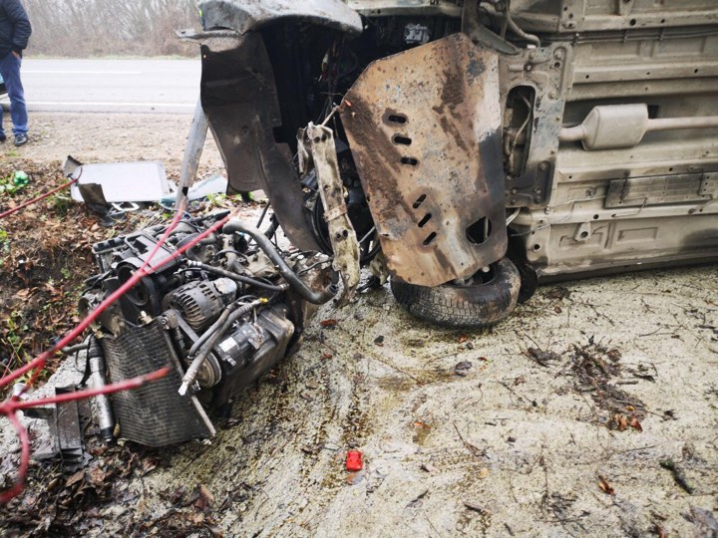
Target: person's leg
[[10, 71]]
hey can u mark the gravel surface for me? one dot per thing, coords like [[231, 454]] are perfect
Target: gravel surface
[[99, 138]]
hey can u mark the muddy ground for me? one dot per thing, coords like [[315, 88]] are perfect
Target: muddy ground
[[592, 411]]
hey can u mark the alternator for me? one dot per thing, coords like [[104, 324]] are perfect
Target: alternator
[[201, 302]]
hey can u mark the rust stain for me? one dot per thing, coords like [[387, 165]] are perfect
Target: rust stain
[[424, 175]]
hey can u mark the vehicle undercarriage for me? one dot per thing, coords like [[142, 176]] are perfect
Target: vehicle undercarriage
[[466, 150]]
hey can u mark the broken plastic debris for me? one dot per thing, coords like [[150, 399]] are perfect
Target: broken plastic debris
[[212, 185], [354, 461], [20, 179], [17, 182]]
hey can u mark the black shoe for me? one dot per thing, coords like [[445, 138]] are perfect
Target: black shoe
[[3, 138], [21, 140]]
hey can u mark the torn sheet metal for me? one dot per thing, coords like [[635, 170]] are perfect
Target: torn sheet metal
[[121, 182], [248, 15], [416, 8], [427, 146], [239, 97], [345, 246]]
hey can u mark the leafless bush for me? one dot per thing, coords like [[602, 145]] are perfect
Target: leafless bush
[[79, 28]]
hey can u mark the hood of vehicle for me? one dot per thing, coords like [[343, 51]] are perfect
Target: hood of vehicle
[[247, 15]]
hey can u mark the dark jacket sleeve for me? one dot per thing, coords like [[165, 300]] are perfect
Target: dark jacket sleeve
[[21, 23]]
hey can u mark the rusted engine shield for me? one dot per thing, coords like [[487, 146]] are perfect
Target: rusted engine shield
[[424, 127]]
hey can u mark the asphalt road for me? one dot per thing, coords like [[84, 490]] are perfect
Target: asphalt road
[[163, 86]]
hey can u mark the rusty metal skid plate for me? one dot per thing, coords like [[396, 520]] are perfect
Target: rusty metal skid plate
[[425, 130]]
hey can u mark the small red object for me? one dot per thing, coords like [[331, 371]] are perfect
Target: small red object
[[354, 462]]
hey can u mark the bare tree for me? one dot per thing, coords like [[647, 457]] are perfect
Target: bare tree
[[80, 28]]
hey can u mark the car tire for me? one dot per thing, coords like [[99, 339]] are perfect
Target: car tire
[[473, 306]]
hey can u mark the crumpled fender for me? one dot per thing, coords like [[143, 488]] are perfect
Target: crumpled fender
[[246, 15]]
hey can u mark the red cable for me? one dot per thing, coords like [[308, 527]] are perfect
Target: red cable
[[19, 405], [10, 407], [38, 199], [19, 484], [39, 362]]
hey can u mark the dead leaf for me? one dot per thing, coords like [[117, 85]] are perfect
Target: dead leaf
[[326, 356], [97, 476], [428, 467], [483, 473], [328, 323], [149, 465], [205, 499], [463, 338], [620, 422], [477, 508], [605, 486], [635, 424], [74, 479]]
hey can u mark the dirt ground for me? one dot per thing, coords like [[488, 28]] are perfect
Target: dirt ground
[[93, 138], [591, 411]]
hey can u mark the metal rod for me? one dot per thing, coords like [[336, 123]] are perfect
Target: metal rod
[[667, 124], [193, 151], [577, 133]]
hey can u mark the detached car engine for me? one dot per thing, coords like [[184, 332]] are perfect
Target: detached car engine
[[221, 315]]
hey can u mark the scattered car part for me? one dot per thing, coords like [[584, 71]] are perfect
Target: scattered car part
[[240, 100], [97, 367], [354, 461], [67, 422], [123, 182], [480, 301], [345, 245], [208, 315]]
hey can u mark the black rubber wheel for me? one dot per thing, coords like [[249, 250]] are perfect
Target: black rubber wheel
[[474, 306]]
